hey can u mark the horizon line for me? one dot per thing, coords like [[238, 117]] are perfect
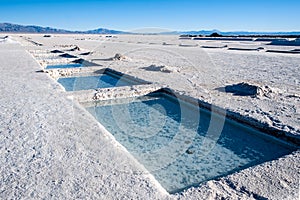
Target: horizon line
[[166, 30]]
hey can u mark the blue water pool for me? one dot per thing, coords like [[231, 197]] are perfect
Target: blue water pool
[[94, 82], [180, 144], [75, 65]]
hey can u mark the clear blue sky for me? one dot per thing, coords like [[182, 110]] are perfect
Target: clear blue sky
[[224, 15]]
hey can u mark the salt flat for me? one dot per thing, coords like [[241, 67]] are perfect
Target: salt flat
[[52, 148]]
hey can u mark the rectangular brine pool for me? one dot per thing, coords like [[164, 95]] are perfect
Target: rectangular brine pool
[[106, 79], [181, 144], [61, 66]]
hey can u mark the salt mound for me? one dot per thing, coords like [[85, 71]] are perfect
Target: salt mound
[[76, 48], [161, 68], [246, 89], [7, 39], [119, 56]]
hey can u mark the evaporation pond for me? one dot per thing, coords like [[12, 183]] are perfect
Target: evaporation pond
[[180, 144], [94, 82], [60, 66]]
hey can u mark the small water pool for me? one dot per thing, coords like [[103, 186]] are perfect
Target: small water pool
[[180, 144], [94, 82], [60, 66]]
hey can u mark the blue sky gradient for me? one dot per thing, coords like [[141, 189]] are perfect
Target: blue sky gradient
[[224, 15]]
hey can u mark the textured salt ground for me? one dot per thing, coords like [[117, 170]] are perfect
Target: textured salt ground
[[41, 149], [50, 148]]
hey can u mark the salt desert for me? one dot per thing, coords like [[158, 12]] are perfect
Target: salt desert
[[52, 147]]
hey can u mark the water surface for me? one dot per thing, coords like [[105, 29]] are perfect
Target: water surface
[[181, 144]]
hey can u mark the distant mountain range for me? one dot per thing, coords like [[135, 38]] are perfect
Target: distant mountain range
[[15, 28]]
